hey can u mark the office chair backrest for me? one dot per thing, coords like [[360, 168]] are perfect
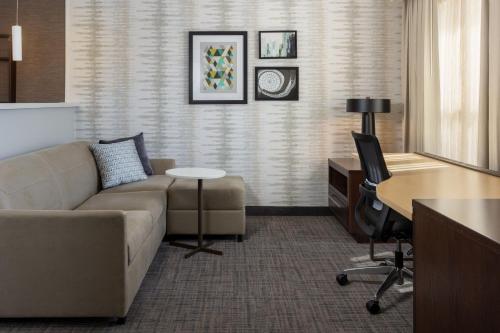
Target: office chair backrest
[[375, 223], [371, 158]]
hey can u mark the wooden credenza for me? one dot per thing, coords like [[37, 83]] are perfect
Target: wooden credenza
[[344, 177], [457, 265]]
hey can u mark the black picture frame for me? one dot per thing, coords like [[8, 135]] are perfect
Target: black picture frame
[[293, 96], [294, 56], [244, 100]]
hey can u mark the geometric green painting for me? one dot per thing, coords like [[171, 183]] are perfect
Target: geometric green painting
[[219, 68]]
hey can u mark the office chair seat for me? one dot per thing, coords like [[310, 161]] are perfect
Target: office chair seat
[[402, 230]]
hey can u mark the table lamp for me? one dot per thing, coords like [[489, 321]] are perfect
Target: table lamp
[[368, 107]]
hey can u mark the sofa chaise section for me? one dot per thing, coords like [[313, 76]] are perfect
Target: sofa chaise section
[[224, 207]]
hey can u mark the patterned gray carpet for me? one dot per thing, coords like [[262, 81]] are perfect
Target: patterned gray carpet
[[281, 279]]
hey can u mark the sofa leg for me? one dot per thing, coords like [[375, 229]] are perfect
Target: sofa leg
[[120, 320], [239, 238]]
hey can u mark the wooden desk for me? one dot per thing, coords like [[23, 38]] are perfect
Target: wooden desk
[[457, 272], [456, 241], [416, 176]]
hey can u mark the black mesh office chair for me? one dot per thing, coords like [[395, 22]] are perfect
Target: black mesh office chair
[[380, 222]]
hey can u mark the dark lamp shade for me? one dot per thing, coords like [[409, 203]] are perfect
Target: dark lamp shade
[[366, 105]]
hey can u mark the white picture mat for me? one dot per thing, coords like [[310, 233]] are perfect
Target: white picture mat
[[240, 51]]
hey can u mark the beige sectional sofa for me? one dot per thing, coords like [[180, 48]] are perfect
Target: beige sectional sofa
[[68, 249]]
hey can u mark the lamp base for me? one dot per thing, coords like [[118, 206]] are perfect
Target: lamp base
[[368, 123]]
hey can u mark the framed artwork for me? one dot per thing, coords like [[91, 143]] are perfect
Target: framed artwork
[[217, 67], [278, 44], [276, 83]]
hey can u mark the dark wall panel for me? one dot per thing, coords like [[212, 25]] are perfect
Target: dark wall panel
[[40, 76]]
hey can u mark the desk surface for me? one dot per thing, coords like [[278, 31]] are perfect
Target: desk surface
[[419, 177]]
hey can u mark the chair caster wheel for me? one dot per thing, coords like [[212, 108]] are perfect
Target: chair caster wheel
[[373, 307], [342, 279]]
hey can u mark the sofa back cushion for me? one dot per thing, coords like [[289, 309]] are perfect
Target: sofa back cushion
[[61, 177]]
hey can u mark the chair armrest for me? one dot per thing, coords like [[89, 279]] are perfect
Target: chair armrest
[[370, 194], [54, 263], [365, 196], [160, 165]]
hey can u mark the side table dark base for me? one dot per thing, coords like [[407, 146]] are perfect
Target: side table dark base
[[200, 247], [196, 248]]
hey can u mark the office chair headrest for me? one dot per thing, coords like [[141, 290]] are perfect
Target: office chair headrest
[[371, 158]]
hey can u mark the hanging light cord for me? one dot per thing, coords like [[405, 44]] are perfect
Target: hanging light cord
[[17, 12]]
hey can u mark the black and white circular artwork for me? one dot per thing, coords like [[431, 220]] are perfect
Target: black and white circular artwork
[[276, 83]]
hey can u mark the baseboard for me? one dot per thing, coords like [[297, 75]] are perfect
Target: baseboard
[[287, 211]]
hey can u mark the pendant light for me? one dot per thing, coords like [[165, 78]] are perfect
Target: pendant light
[[17, 39]]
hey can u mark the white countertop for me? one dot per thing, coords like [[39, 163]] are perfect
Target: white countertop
[[12, 106]]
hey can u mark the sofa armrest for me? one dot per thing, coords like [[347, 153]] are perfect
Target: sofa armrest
[[160, 165], [62, 263]]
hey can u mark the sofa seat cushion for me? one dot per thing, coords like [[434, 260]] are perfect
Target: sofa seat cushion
[[138, 226], [227, 193], [153, 183], [152, 201]]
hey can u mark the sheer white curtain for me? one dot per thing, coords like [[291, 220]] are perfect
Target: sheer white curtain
[[453, 104], [494, 85], [420, 76], [459, 35]]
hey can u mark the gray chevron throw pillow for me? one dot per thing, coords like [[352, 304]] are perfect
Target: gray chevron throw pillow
[[118, 163]]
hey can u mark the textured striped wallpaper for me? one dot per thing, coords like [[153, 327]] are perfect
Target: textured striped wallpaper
[[127, 66]]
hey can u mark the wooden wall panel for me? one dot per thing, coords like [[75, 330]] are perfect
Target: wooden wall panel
[[40, 75]]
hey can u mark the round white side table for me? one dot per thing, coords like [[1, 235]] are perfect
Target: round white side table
[[200, 174]]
